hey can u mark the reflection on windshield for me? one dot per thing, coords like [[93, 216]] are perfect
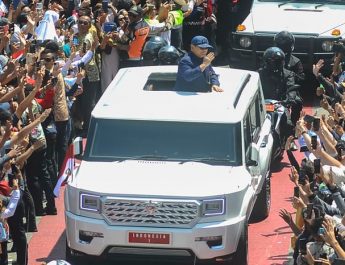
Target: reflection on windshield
[[341, 2], [177, 141]]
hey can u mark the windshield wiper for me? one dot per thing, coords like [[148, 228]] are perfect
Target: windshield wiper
[[287, 2], [143, 157], [207, 160]]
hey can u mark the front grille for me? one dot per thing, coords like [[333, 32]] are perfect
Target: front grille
[[149, 212]]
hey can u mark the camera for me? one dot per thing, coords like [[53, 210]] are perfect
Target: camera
[[338, 47]]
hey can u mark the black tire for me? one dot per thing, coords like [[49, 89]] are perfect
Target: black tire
[[241, 255], [278, 148], [71, 258], [263, 202]]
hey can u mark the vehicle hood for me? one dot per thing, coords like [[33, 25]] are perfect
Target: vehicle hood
[[159, 178], [296, 18]]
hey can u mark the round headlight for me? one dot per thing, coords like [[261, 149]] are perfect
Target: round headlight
[[327, 46], [245, 42]]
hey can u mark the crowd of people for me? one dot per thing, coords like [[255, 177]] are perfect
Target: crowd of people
[[56, 59], [318, 197]]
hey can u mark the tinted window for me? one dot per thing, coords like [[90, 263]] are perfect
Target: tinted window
[[116, 139]]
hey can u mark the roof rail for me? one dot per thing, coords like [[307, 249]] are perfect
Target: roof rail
[[243, 84]]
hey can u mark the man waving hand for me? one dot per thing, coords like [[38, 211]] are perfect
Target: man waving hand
[[195, 73]]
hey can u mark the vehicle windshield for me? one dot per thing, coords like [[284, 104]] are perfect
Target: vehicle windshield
[[341, 2], [159, 140]]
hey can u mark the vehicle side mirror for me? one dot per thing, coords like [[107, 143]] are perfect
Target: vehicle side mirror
[[252, 163], [78, 147]]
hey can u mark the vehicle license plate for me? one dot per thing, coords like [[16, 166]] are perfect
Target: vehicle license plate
[[269, 107], [148, 238]]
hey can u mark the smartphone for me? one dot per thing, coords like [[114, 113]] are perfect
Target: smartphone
[[84, 47], [11, 28], [70, 7], [10, 179], [323, 256], [38, 65], [39, 6], [321, 231], [54, 81], [296, 192], [302, 177], [22, 61], [105, 5], [316, 124], [75, 40], [309, 210], [338, 262], [303, 246], [14, 169], [317, 166], [304, 149], [32, 48], [314, 142], [339, 151]]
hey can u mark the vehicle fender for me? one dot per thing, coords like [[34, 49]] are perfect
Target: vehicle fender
[[248, 202]]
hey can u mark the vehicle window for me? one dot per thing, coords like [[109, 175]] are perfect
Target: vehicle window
[[255, 117], [247, 135], [180, 141]]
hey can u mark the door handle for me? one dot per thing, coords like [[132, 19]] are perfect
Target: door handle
[[264, 141]]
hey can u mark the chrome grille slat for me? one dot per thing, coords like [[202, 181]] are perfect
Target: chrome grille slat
[[167, 213]]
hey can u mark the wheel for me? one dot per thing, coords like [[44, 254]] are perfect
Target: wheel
[[241, 255], [72, 258], [263, 201], [278, 148], [69, 255]]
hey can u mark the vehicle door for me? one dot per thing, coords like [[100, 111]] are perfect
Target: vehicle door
[[258, 141]]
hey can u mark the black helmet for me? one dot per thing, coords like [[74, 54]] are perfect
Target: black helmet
[[285, 41], [168, 55], [274, 59], [152, 47]]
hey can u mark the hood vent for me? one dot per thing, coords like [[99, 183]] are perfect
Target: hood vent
[[150, 162]]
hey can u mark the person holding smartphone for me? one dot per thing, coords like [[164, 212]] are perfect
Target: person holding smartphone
[[195, 73]]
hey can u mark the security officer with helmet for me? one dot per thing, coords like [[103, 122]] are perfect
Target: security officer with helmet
[[286, 42], [279, 83]]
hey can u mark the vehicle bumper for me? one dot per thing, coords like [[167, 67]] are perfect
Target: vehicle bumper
[[183, 241]]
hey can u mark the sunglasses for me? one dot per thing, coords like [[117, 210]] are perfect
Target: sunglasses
[[85, 23], [121, 18], [48, 59]]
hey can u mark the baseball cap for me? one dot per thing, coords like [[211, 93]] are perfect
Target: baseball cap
[[201, 42], [136, 10]]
